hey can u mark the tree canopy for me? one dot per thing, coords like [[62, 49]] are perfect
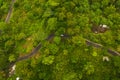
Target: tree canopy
[[53, 39]]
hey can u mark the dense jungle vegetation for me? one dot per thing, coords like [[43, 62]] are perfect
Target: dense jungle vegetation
[[46, 40]]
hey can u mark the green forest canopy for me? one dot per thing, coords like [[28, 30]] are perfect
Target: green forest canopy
[[60, 58]]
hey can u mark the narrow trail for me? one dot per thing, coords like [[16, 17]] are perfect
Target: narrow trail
[[88, 42], [37, 48], [10, 11]]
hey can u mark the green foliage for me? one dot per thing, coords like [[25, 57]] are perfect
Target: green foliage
[[116, 62], [88, 68], [53, 48], [52, 3], [20, 36], [47, 13], [12, 58], [57, 40], [70, 76], [3, 61], [94, 53], [64, 57], [51, 24], [48, 60], [110, 10]]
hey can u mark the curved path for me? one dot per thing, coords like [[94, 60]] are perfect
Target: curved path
[[88, 42], [36, 49]]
